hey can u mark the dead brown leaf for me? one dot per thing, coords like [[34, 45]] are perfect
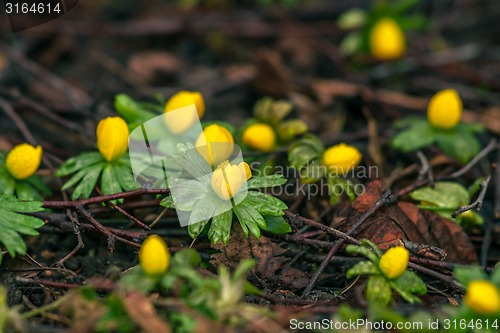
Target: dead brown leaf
[[273, 78], [391, 225], [153, 66], [271, 263], [143, 313]]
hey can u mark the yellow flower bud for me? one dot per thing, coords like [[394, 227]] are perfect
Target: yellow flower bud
[[387, 40], [259, 137], [228, 179], [179, 123], [112, 138], [445, 109], [23, 160], [394, 262], [341, 158], [154, 257], [215, 144], [483, 297]]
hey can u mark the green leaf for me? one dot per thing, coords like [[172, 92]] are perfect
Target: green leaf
[[88, 182], [221, 227], [186, 258], [265, 204], [362, 268], [363, 251], [467, 274], [461, 145], [253, 220], [312, 172], [79, 162], [272, 111], [265, 181], [289, 129], [13, 223], [411, 282], [406, 294], [167, 202], [414, 22], [7, 183], [495, 277], [419, 135], [277, 225], [131, 111], [378, 290], [109, 183], [444, 195], [305, 150], [195, 229], [123, 174], [38, 184], [352, 43], [351, 19], [25, 191]]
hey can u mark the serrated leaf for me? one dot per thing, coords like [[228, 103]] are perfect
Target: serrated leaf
[[79, 162], [124, 175], [407, 295], [305, 150], [312, 172], [461, 145], [195, 229], [220, 228], [265, 181], [251, 218], [88, 182], [265, 204], [109, 183], [419, 135], [444, 195], [13, 223], [362, 268], [378, 290], [277, 225]]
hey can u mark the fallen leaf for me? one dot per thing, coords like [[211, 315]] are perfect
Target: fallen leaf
[[143, 313], [271, 263], [391, 225]]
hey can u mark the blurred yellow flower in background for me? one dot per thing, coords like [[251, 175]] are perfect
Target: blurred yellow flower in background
[[445, 109], [341, 158], [154, 257], [23, 160], [215, 144], [260, 137], [112, 138], [387, 40], [394, 262], [228, 179], [180, 122], [483, 297]]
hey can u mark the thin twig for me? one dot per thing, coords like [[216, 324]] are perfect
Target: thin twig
[[478, 203]]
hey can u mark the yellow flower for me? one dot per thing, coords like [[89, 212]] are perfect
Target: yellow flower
[[154, 257], [23, 160], [341, 158], [227, 179], [259, 137], [215, 144], [387, 40], [483, 297], [112, 138], [179, 122], [394, 262], [445, 109]]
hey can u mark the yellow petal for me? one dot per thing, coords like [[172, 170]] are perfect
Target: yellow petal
[[260, 137], [445, 109], [483, 297], [154, 257], [341, 158], [387, 40], [215, 144], [185, 98], [23, 160], [394, 262], [112, 138]]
